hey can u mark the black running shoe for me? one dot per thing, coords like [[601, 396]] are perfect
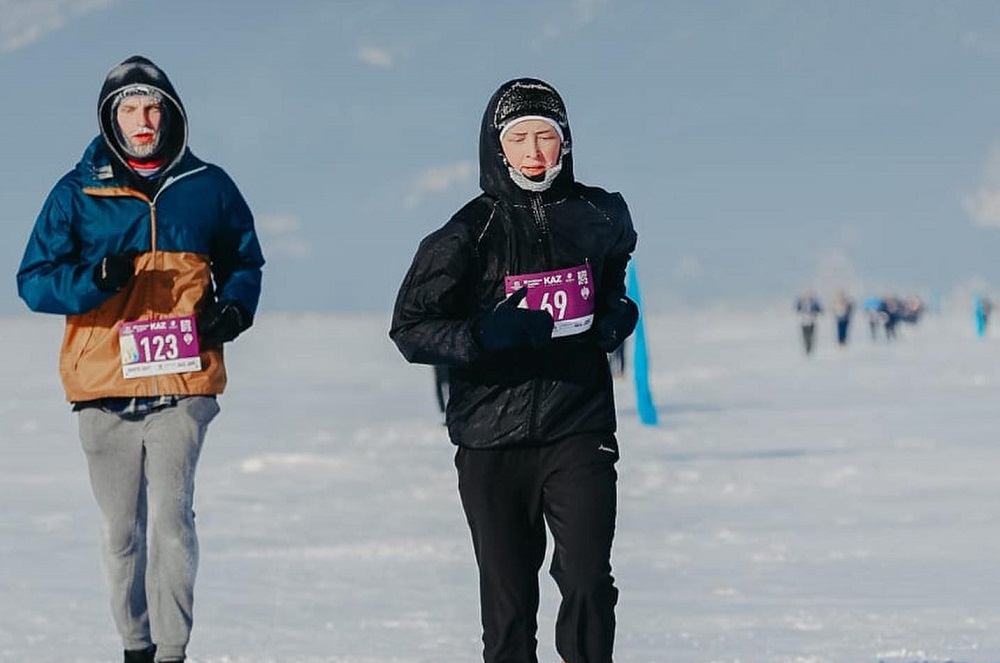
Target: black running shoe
[[140, 655]]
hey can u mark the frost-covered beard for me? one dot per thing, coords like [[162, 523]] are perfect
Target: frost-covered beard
[[534, 185], [139, 150]]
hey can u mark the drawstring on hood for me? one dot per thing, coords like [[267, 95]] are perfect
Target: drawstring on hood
[[517, 99], [139, 76]]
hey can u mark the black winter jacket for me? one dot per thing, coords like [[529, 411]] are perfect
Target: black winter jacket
[[524, 396]]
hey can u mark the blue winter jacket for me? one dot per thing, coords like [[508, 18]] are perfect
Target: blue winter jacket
[[195, 241]]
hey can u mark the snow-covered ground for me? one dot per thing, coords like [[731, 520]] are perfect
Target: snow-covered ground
[[841, 508]]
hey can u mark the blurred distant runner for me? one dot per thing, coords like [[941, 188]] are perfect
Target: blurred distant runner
[[889, 312], [808, 308], [151, 255], [843, 308], [522, 295]]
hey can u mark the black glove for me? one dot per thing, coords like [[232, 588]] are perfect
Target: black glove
[[221, 322], [115, 271], [506, 326], [616, 323]]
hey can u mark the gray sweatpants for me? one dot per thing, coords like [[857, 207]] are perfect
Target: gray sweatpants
[[142, 474]]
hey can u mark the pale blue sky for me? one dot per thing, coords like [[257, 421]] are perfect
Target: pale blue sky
[[763, 146]]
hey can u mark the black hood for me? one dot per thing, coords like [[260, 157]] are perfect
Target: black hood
[[139, 70], [494, 176]]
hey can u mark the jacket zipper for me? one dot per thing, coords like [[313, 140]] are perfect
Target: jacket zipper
[[149, 291], [542, 224], [153, 248]]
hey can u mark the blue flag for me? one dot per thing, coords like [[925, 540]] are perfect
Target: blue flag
[[643, 397], [982, 316]]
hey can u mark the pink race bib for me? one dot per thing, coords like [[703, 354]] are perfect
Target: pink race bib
[[567, 294], [157, 347]]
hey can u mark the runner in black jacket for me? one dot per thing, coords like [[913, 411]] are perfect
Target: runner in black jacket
[[531, 405]]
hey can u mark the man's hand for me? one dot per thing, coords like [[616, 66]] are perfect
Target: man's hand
[[616, 323], [506, 326], [115, 270], [221, 322]]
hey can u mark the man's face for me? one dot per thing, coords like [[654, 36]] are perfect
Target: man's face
[[532, 147], [138, 118]]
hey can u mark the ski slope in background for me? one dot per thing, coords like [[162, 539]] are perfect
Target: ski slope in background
[[840, 508]]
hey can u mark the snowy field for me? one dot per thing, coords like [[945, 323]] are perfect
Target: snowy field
[[843, 508]]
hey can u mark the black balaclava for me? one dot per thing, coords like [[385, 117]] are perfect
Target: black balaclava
[[514, 100], [138, 75]]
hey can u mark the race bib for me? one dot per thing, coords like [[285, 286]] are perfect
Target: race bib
[[157, 347], [567, 294]]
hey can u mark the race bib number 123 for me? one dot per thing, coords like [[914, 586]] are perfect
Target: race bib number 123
[[157, 347]]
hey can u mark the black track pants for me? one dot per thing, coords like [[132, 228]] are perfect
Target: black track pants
[[508, 496]]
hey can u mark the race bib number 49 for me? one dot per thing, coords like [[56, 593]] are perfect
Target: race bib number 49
[[157, 347], [567, 294]]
